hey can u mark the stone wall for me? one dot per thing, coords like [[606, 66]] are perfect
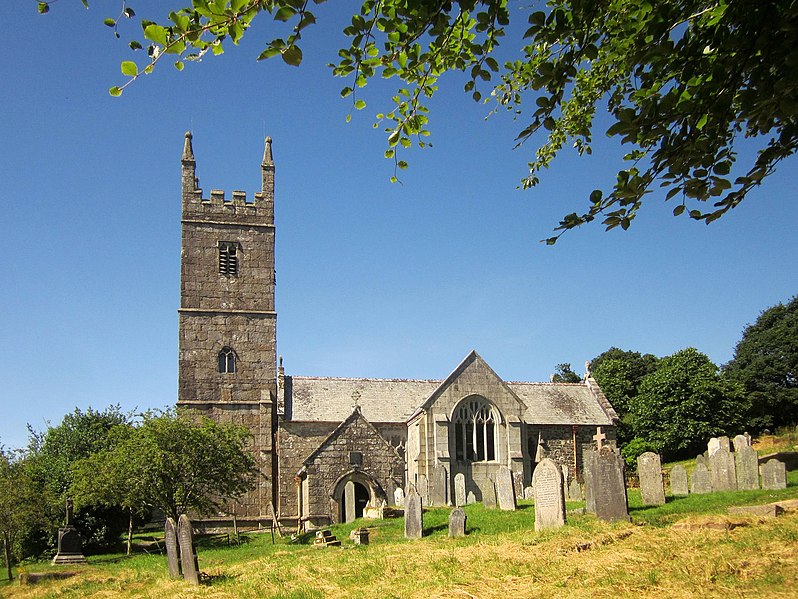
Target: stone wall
[[558, 443]]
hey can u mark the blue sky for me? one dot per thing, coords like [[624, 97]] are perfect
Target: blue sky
[[374, 279]]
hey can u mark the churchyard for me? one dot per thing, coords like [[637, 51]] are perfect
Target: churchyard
[[687, 547]]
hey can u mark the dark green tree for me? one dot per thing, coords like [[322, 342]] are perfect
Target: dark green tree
[[564, 374], [765, 362], [683, 403], [683, 80], [169, 462]]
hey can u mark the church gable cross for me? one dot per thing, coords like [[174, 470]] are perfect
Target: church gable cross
[[599, 437]]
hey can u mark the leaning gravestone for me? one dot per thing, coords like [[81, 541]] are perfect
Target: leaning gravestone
[[459, 489], [575, 491], [349, 502], [438, 492], [609, 486], [547, 481], [649, 471], [700, 482], [505, 489], [587, 474], [457, 522], [774, 475], [414, 519], [721, 468], [172, 550], [489, 495], [188, 552], [746, 463], [679, 485], [399, 497]]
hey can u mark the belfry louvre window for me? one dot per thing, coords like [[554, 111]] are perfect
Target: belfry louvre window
[[227, 361], [228, 259], [475, 431]]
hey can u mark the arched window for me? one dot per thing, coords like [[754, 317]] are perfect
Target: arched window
[[228, 259], [227, 361], [475, 431]]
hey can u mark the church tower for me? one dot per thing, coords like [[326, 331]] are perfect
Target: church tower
[[228, 322]]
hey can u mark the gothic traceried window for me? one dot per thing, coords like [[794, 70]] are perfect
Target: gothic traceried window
[[474, 425], [227, 361], [228, 259]]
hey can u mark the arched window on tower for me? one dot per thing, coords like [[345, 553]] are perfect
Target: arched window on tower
[[228, 259], [474, 424], [227, 361]]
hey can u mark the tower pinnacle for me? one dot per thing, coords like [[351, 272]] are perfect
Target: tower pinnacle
[[188, 151], [267, 153]]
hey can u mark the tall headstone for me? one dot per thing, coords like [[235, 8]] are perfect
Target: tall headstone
[[70, 545], [457, 522], [649, 471], [438, 486], [172, 549], [721, 468], [349, 501], [422, 488], [700, 482], [188, 551], [505, 489], [679, 484], [547, 482], [414, 519], [489, 495], [459, 489], [746, 464], [741, 441], [518, 484], [774, 474], [399, 497], [588, 467], [575, 490], [609, 486]]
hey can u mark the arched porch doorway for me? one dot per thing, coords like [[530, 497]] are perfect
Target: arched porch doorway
[[352, 494]]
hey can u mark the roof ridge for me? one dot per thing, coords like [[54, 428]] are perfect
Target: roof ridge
[[356, 378]]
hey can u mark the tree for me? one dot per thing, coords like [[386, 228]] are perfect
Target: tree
[[683, 80], [19, 505], [684, 402], [765, 362], [169, 462], [564, 374]]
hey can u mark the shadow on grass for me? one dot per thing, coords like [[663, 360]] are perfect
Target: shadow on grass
[[431, 529], [212, 579]]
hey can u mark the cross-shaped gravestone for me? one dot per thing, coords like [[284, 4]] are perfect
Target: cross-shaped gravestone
[[598, 438]]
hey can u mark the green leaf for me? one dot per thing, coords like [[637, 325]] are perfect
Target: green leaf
[[115, 91], [109, 22], [179, 65], [129, 68], [129, 13], [134, 45], [292, 55], [155, 33], [44, 8], [285, 13], [360, 104]]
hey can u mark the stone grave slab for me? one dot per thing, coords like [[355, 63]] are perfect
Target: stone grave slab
[[722, 470], [575, 491], [741, 441], [746, 465], [679, 484], [422, 488], [459, 489], [399, 497], [349, 502], [505, 489], [457, 522], [518, 484], [547, 481], [489, 495], [438, 487], [470, 498], [700, 482], [609, 486], [529, 492], [188, 551], [649, 471], [774, 475], [414, 519], [172, 549], [587, 474]]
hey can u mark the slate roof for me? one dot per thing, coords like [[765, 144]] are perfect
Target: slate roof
[[561, 403]]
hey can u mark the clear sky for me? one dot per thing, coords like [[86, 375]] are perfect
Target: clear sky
[[374, 279]]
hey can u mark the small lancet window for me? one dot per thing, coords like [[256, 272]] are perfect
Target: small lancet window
[[228, 259], [227, 361], [475, 431]]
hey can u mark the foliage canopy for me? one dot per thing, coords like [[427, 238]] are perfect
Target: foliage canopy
[[683, 80]]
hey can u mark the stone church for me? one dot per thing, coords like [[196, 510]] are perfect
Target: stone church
[[329, 448]]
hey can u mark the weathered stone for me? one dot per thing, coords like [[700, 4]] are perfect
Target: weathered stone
[[172, 549], [489, 495], [575, 491], [721, 468], [746, 464], [188, 551], [774, 475], [70, 545], [325, 538], [414, 519], [679, 484], [505, 489], [609, 486], [713, 445], [349, 502], [459, 489], [399, 497], [518, 484], [547, 481], [702, 459], [422, 488], [741, 441], [768, 510], [529, 492], [438, 486], [457, 522], [470, 498], [649, 471], [700, 482], [587, 475], [360, 536]]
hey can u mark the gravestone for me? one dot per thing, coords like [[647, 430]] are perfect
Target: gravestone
[[172, 550], [188, 551], [679, 485], [575, 491], [70, 545], [741, 441], [547, 481], [746, 464], [489, 495], [505, 489], [518, 484], [565, 474], [422, 488], [649, 471], [609, 486], [459, 489], [438, 491], [470, 498], [399, 497], [713, 445], [414, 519], [457, 522], [700, 482], [349, 501], [702, 459], [722, 470], [774, 474], [587, 475], [529, 493]]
